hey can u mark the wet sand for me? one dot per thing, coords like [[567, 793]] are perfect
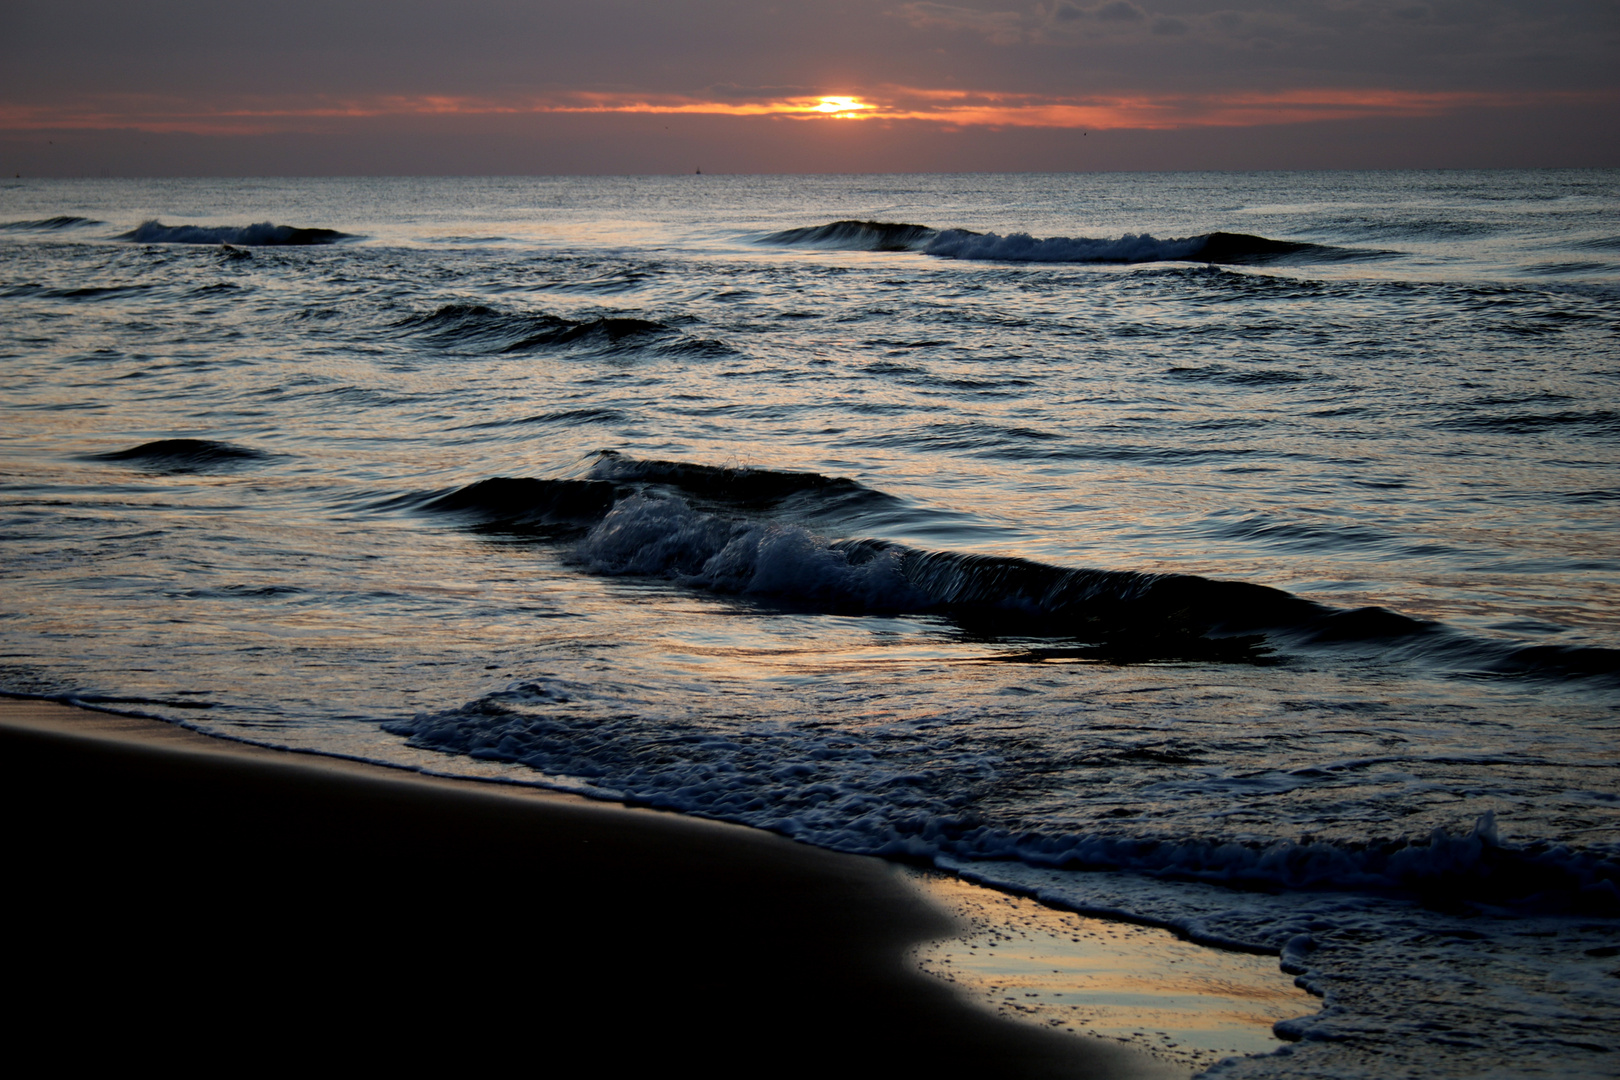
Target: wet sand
[[202, 901]]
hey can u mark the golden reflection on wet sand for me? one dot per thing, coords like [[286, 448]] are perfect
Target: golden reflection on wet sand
[[1184, 1003]]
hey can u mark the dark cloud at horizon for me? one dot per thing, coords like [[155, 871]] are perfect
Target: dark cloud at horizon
[[231, 70]]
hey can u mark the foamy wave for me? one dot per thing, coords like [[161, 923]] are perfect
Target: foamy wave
[[901, 793], [1125, 615], [751, 532], [264, 234], [1215, 247], [1475, 866], [1218, 247], [665, 538]]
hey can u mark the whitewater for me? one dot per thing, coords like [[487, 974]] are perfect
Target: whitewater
[[1234, 553]]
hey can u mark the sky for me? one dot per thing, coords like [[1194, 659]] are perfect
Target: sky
[[413, 87]]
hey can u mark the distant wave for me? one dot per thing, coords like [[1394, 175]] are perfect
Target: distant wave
[[185, 455], [857, 236], [488, 329], [50, 224], [83, 292], [1215, 247], [1599, 243], [264, 234], [749, 532]]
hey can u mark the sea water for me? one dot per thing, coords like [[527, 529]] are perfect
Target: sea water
[[1235, 553]]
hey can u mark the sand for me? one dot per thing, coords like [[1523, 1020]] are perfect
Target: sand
[[200, 902]]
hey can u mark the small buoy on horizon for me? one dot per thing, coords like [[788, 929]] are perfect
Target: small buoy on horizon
[[699, 172]]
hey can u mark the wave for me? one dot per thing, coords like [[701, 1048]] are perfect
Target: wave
[[559, 506], [1599, 243], [186, 455], [1604, 421], [50, 224], [856, 236], [264, 234], [484, 328], [1441, 869], [910, 797], [753, 533], [1217, 247], [740, 486], [523, 505], [87, 292]]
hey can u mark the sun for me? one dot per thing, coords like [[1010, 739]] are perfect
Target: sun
[[843, 107]]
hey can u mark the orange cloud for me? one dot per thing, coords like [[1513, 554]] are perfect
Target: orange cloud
[[955, 108]]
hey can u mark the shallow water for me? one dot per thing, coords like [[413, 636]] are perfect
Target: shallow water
[[1188, 1006], [1272, 599]]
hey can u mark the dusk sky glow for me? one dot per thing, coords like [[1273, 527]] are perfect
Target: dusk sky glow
[[88, 86]]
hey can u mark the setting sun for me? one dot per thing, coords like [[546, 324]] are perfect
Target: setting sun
[[842, 106]]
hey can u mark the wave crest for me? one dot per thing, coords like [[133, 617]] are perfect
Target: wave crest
[[856, 236], [484, 328], [185, 455], [739, 486], [51, 224], [1217, 247], [263, 234]]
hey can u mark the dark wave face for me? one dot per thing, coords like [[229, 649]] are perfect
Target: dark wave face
[[856, 236], [479, 328], [185, 455], [60, 223], [264, 234], [524, 505], [739, 487]]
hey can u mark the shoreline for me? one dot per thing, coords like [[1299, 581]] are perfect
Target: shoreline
[[162, 873]]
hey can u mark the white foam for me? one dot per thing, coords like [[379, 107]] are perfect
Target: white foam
[[666, 538], [263, 233]]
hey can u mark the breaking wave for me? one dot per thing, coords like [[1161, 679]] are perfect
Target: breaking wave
[[901, 795], [741, 486], [264, 234], [754, 533], [560, 506], [1216, 247]]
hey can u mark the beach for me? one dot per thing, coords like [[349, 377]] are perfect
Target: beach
[[1226, 557], [170, 877]]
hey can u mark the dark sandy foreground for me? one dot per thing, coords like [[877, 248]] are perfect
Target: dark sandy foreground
[[180, 899]]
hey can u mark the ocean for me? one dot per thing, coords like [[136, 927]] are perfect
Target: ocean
[[1233, 553]]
